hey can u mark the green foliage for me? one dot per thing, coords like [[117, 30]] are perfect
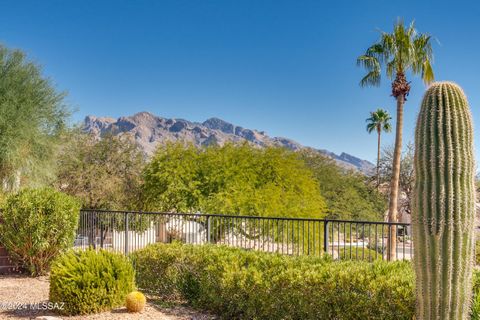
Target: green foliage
[[90, 281], [477, 252], [233, 179], [475, 315], [353, 253], [443, 213], [348, 195], [403, 50], [104, 174], [239, 284], [32, 118], [38, 224], [379, 121]]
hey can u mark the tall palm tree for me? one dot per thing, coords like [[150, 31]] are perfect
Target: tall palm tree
[[379, 121], [404, 50]]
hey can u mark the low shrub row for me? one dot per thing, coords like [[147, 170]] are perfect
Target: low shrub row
[[238, 284]]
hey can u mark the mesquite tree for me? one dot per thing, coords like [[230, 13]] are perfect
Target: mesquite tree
[[444, 204]]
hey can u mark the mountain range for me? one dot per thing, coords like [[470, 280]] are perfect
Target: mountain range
[[149, 130]]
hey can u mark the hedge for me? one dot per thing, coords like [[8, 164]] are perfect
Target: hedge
[[239, 284]]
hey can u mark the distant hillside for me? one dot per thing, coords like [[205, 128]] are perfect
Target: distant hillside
[[149, 130]]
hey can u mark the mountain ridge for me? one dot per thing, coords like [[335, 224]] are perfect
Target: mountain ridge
[[149, 130]]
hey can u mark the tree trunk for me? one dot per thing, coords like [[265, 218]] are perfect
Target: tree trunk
[[392, 209], [378, 159]]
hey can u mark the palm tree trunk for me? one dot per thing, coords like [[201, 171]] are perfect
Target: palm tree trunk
[[392, 209], [378, 159]]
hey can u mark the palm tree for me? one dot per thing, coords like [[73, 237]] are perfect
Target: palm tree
[[398, 52], [379, 121]]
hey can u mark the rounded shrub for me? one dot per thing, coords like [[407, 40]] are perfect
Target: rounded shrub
[[135, 301], [37, 225], [89, 281]]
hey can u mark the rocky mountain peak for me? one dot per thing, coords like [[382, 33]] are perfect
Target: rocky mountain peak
[[149, 130], [219, 124]]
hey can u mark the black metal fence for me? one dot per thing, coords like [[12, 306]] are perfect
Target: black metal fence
[[126, 231]]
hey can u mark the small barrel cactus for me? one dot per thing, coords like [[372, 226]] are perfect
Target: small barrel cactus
[[444, 204], [135, 301]]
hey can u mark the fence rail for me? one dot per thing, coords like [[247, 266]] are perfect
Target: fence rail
[[127, 231]]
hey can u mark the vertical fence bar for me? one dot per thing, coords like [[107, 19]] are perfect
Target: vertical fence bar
[[101, 232], [209, 230], [313, 244], [126, 232], [351, 240], [325, 236], [389, 237]]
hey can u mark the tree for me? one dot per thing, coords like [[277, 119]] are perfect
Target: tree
[[32, 118], [348, 194], [404, 50], [103, 174], [407, 176], [231, 179], [379, 121]]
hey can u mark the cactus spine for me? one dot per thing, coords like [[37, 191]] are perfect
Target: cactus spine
[[444, 204]]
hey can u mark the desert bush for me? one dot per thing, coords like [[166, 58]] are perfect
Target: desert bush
[[90, 281], [253, 285], [37, 225]]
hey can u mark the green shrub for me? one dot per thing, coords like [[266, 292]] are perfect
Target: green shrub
[[38, 224], [477, 252], [476, 296], [243, 284], [89, 281]]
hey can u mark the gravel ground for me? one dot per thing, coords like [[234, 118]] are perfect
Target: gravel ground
[[19, 296]]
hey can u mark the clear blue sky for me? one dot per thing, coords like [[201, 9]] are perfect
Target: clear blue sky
[[286, 67]]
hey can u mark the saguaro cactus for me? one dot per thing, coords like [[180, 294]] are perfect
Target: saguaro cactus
[[444, 204]]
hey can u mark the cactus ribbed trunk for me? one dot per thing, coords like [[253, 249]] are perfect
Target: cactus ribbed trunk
[[444, 204]]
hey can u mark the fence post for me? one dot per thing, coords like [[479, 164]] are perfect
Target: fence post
[[126, 232], [325, 236], [209, 229]]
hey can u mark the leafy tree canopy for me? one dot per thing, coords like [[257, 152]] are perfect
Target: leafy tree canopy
[[32, 117], [348, 195], [104, 174], [232, 179]]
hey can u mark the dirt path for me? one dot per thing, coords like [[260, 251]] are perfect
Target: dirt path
[[20, 298]]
